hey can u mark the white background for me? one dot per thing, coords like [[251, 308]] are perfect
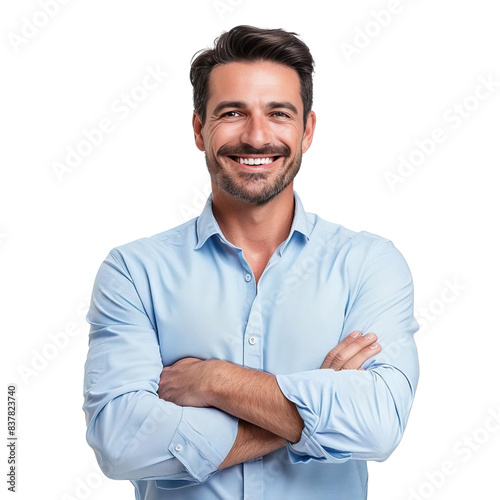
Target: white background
[[147, 176]]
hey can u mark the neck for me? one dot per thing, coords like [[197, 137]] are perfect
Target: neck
[[257, 229]]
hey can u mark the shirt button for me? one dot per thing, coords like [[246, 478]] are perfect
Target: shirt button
[[252, 340], [248, 277], [178, 447]]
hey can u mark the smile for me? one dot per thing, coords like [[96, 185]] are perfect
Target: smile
[[243, 160]]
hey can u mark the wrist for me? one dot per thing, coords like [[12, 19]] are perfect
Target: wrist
[[212, 380]]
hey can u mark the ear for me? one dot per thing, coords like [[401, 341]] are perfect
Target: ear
[[198, 134], [309, 131]]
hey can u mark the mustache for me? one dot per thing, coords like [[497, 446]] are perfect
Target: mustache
[[246, 149]]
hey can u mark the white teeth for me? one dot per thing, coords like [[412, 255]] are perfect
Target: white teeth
[[255, 161]]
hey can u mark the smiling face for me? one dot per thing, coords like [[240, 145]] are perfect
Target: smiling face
[[254, 134]]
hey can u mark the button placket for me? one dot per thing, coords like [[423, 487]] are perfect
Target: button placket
[[253, 358]]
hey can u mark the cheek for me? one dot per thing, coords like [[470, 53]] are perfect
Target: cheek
[[288, 134], [224, 134]]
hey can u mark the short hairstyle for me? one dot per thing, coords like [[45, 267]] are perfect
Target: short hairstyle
[[246, 44]]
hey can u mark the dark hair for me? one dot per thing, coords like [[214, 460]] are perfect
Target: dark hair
[[248, 43]]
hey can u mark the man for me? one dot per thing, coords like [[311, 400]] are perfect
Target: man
[[236, 355]]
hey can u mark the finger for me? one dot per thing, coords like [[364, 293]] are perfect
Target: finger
[[185, 361], [345, 355], [357, 361], [347, 341], [163, 375]]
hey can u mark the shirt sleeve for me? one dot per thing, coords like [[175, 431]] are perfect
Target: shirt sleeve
[[356, 414], [135, 434]]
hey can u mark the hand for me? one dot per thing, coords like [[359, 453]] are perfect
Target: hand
[[184, 383], [352, 352]]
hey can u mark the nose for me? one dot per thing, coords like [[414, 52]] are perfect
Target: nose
[[256, 132]]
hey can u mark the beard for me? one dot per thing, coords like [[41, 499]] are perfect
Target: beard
[[254, 187]]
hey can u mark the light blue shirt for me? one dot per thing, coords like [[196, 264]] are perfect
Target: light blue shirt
[[190, 292]]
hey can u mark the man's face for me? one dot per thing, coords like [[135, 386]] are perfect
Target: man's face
[[254, 134]]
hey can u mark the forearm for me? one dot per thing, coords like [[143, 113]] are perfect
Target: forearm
[[251, 442], [350, 414], [254, 396]]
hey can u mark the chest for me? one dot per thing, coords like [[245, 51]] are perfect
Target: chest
[[286, 322]]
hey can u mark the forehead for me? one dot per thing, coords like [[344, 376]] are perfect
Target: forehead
[[248, 81]]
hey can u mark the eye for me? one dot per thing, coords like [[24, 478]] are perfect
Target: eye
[[230, 114], [280, 114]]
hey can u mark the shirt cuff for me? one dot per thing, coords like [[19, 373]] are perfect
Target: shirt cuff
[[294, 387], [202, 440]]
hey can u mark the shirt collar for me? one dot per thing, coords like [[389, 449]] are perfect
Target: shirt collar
[[207, 226]]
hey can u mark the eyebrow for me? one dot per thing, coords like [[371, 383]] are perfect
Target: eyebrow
[[283, 104], [228, 104], [242, 105]]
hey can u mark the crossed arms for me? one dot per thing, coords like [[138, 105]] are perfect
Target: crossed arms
[[182, 423], [267, 418]]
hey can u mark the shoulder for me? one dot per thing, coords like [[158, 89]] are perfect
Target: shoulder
[[342, 237], [148, 248], [357, 251]]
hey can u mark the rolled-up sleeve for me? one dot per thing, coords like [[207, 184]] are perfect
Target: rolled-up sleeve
[[356, 414], [135, 434]]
